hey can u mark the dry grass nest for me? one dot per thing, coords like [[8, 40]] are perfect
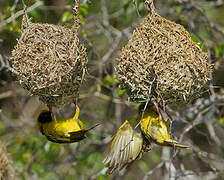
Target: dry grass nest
[[50, 62], [162, 55], [6, 171]]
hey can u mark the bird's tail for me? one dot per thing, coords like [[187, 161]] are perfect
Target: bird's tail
[[176, 144], [88, 129]]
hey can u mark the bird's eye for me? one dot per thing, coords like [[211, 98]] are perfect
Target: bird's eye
[[45, 117]]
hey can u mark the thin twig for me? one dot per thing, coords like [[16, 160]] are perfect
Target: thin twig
[[21, 12], [160, 165], [146, 104]]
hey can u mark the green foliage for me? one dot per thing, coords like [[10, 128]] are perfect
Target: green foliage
[[36, 15], [155, 157], [2, 127], [83, 12], [33, 156], [66, 16], [110, 80], [196, 39], [219, 50], [221, 120], [178, 10], [144, 166]]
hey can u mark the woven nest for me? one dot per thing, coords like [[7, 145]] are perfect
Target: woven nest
[[6, 171], [162, 55], [50, 61]]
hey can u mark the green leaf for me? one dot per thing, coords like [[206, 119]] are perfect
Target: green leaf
[[178, 10], [2, 127], [103, 177], [27, 155], [126, 5], [18, 166], [115, 80], [195, 38], [141, 5], [98, 87], [7, 9], [84, 33], [120, 92], [66, 16], [9, 27], [37, 168], [84, 9], [108, 80], [36, 15], [49, 175], [217, 51], [221, 120], [144, 166], [199, 153], [93, 158], [155, 157]]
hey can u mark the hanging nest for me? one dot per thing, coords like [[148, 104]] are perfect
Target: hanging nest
[[50, 61], [6, 171], [161, 55]]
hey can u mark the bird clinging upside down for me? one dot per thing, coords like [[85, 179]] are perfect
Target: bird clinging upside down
[[156, 129], [62, 130], [124, 148]]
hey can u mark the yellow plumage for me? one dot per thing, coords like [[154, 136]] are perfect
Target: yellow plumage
[[156, 129], [62, 130], [125, 147]]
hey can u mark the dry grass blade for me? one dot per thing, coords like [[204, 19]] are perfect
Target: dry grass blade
[[50, 61], [162, 49]]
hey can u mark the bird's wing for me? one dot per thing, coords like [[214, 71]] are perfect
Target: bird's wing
[[77, 135], [123, 148], [159, 132]]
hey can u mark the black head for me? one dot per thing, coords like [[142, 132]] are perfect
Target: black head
[[45, 117]]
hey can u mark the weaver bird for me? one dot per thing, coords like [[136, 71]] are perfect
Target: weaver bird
[[62, 130], [126, 146], [156, 129]]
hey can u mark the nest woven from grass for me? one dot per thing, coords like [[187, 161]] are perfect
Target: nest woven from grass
[[50, 61], [161, 54], [6, 171]]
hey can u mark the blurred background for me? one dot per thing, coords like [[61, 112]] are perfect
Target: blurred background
[[106, 27]]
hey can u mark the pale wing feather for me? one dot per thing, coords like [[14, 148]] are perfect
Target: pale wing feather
[[122, 150]]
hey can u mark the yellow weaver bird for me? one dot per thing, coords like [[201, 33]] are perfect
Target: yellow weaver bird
[[62, 130], [156, 129], [126, 146]]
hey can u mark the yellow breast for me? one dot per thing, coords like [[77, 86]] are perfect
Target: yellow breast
[[62, 127], [154, 127]]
